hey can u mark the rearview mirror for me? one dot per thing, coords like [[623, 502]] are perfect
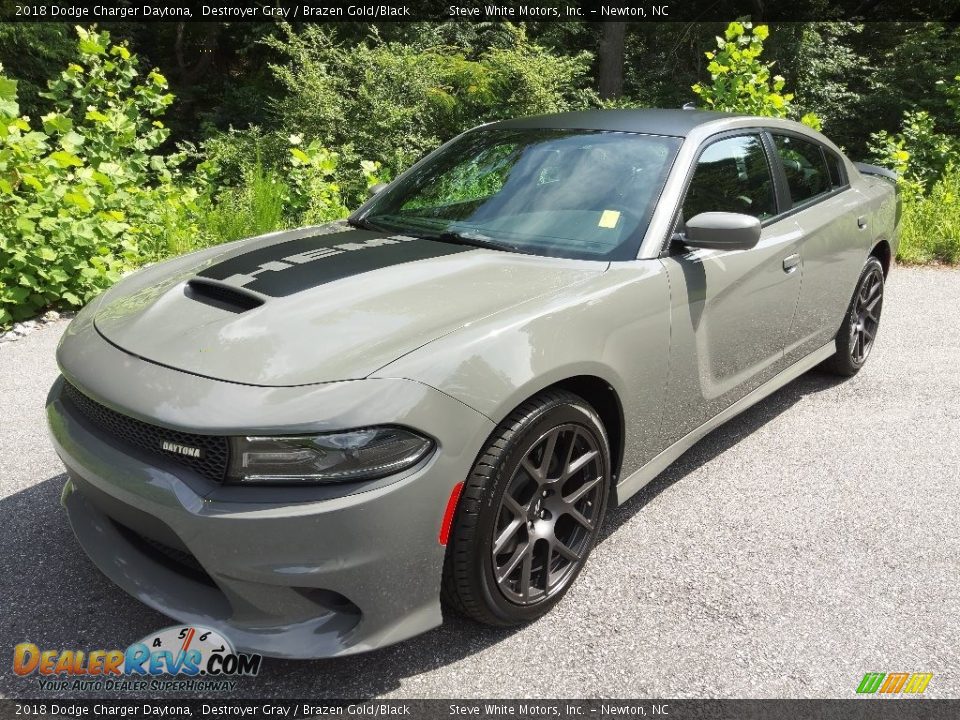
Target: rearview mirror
[[722, 231], [376, 189]]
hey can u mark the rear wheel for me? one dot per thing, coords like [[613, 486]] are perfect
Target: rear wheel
[[530, 511], [860, 325]]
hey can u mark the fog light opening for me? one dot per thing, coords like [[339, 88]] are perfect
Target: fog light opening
[[329, 600]]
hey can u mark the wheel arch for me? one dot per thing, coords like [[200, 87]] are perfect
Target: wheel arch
[[598, 392], [603, 398], [882, 252]]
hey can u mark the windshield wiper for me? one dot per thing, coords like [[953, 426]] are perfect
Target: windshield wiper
[[365, 225], [476, 240], [431, 229]]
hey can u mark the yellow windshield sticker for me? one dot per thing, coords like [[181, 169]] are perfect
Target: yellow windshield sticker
[[609, 219]]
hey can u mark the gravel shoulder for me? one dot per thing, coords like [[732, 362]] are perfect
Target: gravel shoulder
[[808, 541]]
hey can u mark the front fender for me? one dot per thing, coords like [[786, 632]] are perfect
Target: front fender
[[615, 327]]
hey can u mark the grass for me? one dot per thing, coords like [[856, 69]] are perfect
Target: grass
[[254, 208], [930, 232]]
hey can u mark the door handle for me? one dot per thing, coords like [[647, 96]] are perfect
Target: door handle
[[861, 222], [791, 262]]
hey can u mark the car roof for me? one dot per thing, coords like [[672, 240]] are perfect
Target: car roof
[[679, 123]]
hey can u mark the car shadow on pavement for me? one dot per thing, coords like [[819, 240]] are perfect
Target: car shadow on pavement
[[50, 593], [53, 596], [721, 440]]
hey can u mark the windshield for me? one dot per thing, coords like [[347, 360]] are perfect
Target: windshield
[[562, 193]]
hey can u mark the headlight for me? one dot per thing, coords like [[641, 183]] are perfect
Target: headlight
[[337, 457]]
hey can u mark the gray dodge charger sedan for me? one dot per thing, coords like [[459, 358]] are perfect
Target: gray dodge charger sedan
[[311, 440]]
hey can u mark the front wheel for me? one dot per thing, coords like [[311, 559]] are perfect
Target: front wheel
[[530, 511], [860, 325]]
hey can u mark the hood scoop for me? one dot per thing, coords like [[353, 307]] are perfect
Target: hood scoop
[[221, 296]]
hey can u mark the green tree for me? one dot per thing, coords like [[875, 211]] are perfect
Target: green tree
[[825, 68]]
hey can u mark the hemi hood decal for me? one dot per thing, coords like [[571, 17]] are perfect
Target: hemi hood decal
[[338, 305], [289, 267]]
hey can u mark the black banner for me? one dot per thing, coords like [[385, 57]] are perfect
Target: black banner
[[856, 709], [299, 11]]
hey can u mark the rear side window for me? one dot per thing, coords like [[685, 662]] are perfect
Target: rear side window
[[805, 166], [732, 175], [836, 171]]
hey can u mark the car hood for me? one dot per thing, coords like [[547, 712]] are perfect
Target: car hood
[[317, 304]]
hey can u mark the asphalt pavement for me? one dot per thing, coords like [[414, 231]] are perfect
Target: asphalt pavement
[[808, 541]]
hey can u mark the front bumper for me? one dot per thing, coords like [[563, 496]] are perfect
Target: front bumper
[[277, 571]]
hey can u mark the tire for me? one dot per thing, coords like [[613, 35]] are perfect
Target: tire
[[860, 325], [544, 526]]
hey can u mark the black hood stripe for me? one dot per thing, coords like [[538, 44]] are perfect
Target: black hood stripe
[[296, 265]]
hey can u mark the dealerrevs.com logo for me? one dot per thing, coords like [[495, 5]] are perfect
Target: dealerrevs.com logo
[[177, 658]]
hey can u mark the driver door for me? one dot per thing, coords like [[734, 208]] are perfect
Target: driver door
[[731, 309]]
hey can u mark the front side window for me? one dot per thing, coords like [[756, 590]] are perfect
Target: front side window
[[564, 193], [732, 175], [805, 167]]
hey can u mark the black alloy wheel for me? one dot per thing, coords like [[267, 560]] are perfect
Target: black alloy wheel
[[858, 332], [530, 512], [548, 515], [866, 315]]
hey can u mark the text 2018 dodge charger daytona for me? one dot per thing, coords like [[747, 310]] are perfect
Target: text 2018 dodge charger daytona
[[306, 440]]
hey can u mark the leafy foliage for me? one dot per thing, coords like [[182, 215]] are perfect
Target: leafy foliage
[[241, 195], [918, 153], [393, 102], [821, 62], [911, 60], [254, 206], [315, 195], [83, 195], [741, 82], [927, 163], [86, 195], [33, 53]]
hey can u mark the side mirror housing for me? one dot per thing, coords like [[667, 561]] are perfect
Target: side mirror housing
[[376, 189], [722, 231]]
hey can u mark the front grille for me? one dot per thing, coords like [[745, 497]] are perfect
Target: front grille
[[214, 450]]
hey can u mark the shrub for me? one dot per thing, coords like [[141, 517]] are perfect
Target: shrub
[[84, 195], [918, 153], [243, 197], [393, 102], [315, 195]]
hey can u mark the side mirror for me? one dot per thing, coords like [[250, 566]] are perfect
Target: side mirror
[[376, 189], [722, 231]]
